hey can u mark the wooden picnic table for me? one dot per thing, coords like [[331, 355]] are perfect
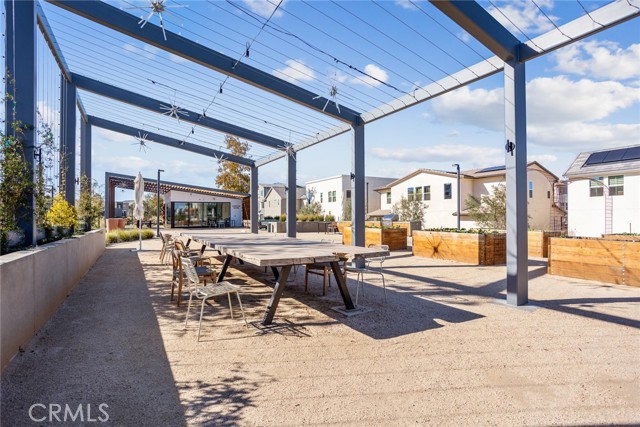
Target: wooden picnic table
[[284, 253]]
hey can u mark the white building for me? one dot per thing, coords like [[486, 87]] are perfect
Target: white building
[[604, 192], [438, 191], [334, 192]]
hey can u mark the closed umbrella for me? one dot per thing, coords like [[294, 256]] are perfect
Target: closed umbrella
[[138, 210]]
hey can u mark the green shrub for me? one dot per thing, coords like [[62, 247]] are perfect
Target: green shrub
[[119, 236], [329, 218], [283, 217], [463, 230]]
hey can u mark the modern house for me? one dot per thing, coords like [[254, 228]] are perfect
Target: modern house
[[334, 193], [202, 209], [604, 192], [438, 191], [275, 200], [124, 208]]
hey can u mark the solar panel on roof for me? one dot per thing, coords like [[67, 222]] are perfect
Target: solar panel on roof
[[492, 169], [633, 153], [611, 156]]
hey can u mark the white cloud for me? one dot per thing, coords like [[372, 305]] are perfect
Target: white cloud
[[378, 76], [110, 136], [264, 8], [600, 59], [148, 51], [114, 163], [560, 112], [542, 158], [406, 4], [458, 153], [295, 71], [524, 15]]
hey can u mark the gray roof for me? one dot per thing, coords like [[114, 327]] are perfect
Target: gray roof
[[301, 192], [579, 169]]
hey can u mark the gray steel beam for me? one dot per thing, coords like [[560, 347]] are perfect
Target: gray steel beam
[[81, 109], [68, 140], [151, 34], [50, 38], [254, 200], [291, 195], [20, 74], [109, 197], [128, 97], [516, 177], [165, 140], [475, 20], [85, 150], [357, 187]]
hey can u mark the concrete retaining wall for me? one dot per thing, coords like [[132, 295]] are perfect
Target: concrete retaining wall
[[33, 283]]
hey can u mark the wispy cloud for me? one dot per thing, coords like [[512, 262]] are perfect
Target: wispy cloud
[[378, 76], [295, 71], [264, 8], [523, 15], [468, 154]]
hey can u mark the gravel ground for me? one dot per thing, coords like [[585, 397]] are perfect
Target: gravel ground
[[443, 350]]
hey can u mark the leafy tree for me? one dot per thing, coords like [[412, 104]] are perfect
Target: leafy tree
[[346, 209], [409, 210], [61, 213], [490, 211], [16, 178], [313, 208], [90, 205], [151, 206], [232, 176]]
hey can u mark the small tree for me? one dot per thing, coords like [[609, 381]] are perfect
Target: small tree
[[62, 214], [313, 208], [232, 176], [151, 206], [490, 211], [90, 204], [409, 210]]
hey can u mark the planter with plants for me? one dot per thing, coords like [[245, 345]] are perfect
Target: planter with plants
[[611, 261], [469, 246], [395, 237]]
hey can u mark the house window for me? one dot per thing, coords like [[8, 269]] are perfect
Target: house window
[[418, 193], [595, 187], [389, 198], [616, 185], [320, 197], [548, 194], [531, 189], [427, 192], [447, 191], [348, 194], [331, 196], [410, 193]]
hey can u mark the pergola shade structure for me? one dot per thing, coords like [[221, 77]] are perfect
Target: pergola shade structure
[[219, 67]]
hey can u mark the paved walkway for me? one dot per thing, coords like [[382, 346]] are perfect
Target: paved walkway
[[443, 350]]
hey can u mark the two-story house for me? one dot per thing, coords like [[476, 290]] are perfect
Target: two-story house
[[275, 200], [604, 192], [334, 193], [438, 192]]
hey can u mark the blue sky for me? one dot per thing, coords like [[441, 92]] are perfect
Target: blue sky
[[582, 97]]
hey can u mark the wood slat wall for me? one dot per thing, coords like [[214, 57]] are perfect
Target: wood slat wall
[[396, 238], [481, 249], [610, 261], [538, 242]]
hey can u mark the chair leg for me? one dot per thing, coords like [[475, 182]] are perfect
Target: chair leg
[[242, 310], [230, 308], [324, 282], [188, 308], [306, 279], [201, 313], [359, 284], [384, 287]]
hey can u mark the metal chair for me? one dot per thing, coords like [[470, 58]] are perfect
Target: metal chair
[[167, 246], [207, 292], [366, 269], [204, 273]]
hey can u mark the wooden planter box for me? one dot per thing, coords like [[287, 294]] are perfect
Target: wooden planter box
[[608, 261], [538, 242], [624, 237], [396, 238], [408, 226], [481, 249]]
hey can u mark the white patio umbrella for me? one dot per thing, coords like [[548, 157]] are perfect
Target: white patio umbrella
[[138, 210]]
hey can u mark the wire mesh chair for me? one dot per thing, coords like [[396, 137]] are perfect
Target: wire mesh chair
[[366, 269], [204, 273], [207, 292]]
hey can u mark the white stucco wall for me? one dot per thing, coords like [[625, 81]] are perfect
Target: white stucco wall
[[340, 184], [587, 214]]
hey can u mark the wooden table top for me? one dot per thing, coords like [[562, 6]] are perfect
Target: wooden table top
[[273, 251]]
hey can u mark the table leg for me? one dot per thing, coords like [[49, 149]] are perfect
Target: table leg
[[342, 285], [276, 274], [223, 270], [275, 297]]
